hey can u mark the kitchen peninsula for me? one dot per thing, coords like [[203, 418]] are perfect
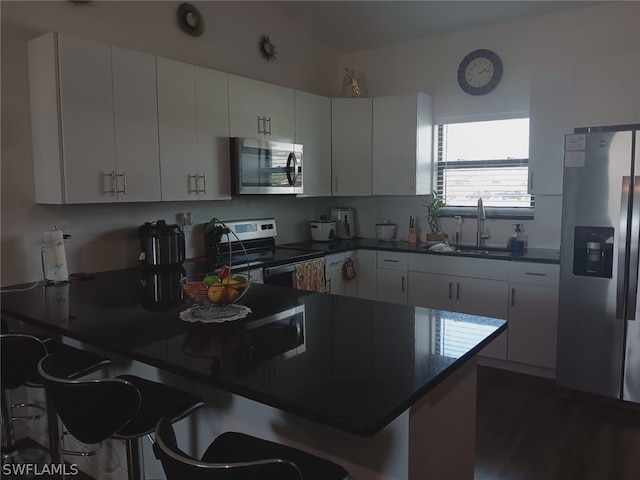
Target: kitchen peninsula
[[387, 391]]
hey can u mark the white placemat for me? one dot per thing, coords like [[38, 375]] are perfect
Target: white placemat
[[213, 314]]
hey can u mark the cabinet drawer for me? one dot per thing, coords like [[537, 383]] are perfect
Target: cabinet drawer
[[392, 260], [334, 261], [534, 273], [460, 266]]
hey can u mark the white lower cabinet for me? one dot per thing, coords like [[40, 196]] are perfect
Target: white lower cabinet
[[533, 314], [334, 275], [476, 296], [391, 277], [366, 274]]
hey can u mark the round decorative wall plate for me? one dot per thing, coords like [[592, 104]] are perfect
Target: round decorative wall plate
[[480, 72], [190, 19], [267, 48]]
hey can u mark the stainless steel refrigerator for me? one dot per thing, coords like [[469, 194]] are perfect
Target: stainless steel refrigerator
[[599, 312]]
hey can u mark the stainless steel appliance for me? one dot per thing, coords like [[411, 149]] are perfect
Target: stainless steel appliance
[[345, 222], [162, 287], [599, 317], [265, 167], [260, 254], [161, 244]]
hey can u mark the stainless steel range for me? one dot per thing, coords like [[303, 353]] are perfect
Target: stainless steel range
[[260, 254]]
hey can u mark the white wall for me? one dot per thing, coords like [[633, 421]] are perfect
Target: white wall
[[103, 236], [598, 46]]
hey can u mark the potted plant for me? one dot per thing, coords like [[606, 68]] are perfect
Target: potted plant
[[213, 232], [434, 210]]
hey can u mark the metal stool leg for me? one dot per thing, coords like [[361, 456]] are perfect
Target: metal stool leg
[[54, 436], [135, 461], [8, 445]]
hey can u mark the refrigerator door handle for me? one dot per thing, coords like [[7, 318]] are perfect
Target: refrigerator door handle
[[634, 252], [622, 249]]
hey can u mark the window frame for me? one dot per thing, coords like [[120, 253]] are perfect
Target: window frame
[[511, 212]]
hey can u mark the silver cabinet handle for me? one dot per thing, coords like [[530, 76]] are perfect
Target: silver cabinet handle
[[449, 290], [457, 291], [536, 274], [403, 283], [260, 122], [335, 183], [392, 261], [204, 183], [268, 132], [113, 182], [335, 263], [329, 286], [513, 296], [124, 183], [412, 184], [189, 180]]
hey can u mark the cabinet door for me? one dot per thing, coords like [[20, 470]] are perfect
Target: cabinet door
[[432, 291], [212, 134], [135, 113], [351, 286], [335, 282], [86, 106], [551, 117], [533, 324], [394, 145], [246, 107], [177, 130], [391, 286], [366, 274], [313, 131], [351, 137], [279, 112]]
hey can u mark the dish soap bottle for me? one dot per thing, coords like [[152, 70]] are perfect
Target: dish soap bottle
[[516, 241]]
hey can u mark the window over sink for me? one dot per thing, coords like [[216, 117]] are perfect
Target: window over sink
[[488, 159]]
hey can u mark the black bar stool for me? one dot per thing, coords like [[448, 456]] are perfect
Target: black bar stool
[[126, 407], [236, 456], [20, 356]]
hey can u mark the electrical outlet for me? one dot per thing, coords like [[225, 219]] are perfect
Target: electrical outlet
[[185, 219], [458, 219]]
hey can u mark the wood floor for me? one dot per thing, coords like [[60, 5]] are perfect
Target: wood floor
[[528, 429]]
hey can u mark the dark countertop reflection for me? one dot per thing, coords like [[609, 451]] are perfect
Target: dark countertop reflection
[[349, 363], [537, 255]]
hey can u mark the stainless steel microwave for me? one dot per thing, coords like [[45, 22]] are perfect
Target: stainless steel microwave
[[265, 167]]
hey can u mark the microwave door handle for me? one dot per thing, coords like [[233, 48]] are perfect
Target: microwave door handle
[[291, 160]]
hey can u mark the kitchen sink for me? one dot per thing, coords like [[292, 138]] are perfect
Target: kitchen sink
[[479, 251]]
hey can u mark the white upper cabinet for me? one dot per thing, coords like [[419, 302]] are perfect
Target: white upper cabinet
[[402, 145], [551, 116], [313, 132], [177, 130], [193, 132], [72, 127], [261, 110], [212, 134], [351, 133], [94, 122], [135, 116]]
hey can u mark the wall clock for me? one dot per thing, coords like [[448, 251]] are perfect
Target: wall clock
[[480, 72]]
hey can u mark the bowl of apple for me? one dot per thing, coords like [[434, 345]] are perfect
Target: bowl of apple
[[216, 289]]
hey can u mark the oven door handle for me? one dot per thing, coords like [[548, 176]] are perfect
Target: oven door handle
[[280, 269]]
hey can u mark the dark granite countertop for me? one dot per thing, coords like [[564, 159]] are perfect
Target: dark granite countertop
[[537, 255], [349, 363]]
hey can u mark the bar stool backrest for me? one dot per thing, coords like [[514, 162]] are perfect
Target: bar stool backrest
[[178, 465], [91, 410], [20, 356]]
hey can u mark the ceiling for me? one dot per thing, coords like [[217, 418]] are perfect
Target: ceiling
[[350, 26]]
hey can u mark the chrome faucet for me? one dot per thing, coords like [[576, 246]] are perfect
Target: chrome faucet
[[481, 233]]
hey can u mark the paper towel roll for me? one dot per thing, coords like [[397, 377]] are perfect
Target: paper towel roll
[[54, 259]]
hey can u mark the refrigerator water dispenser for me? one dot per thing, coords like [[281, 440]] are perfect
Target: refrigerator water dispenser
[[593, 251]]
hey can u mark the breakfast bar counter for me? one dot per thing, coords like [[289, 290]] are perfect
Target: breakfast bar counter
[[355, 367]]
